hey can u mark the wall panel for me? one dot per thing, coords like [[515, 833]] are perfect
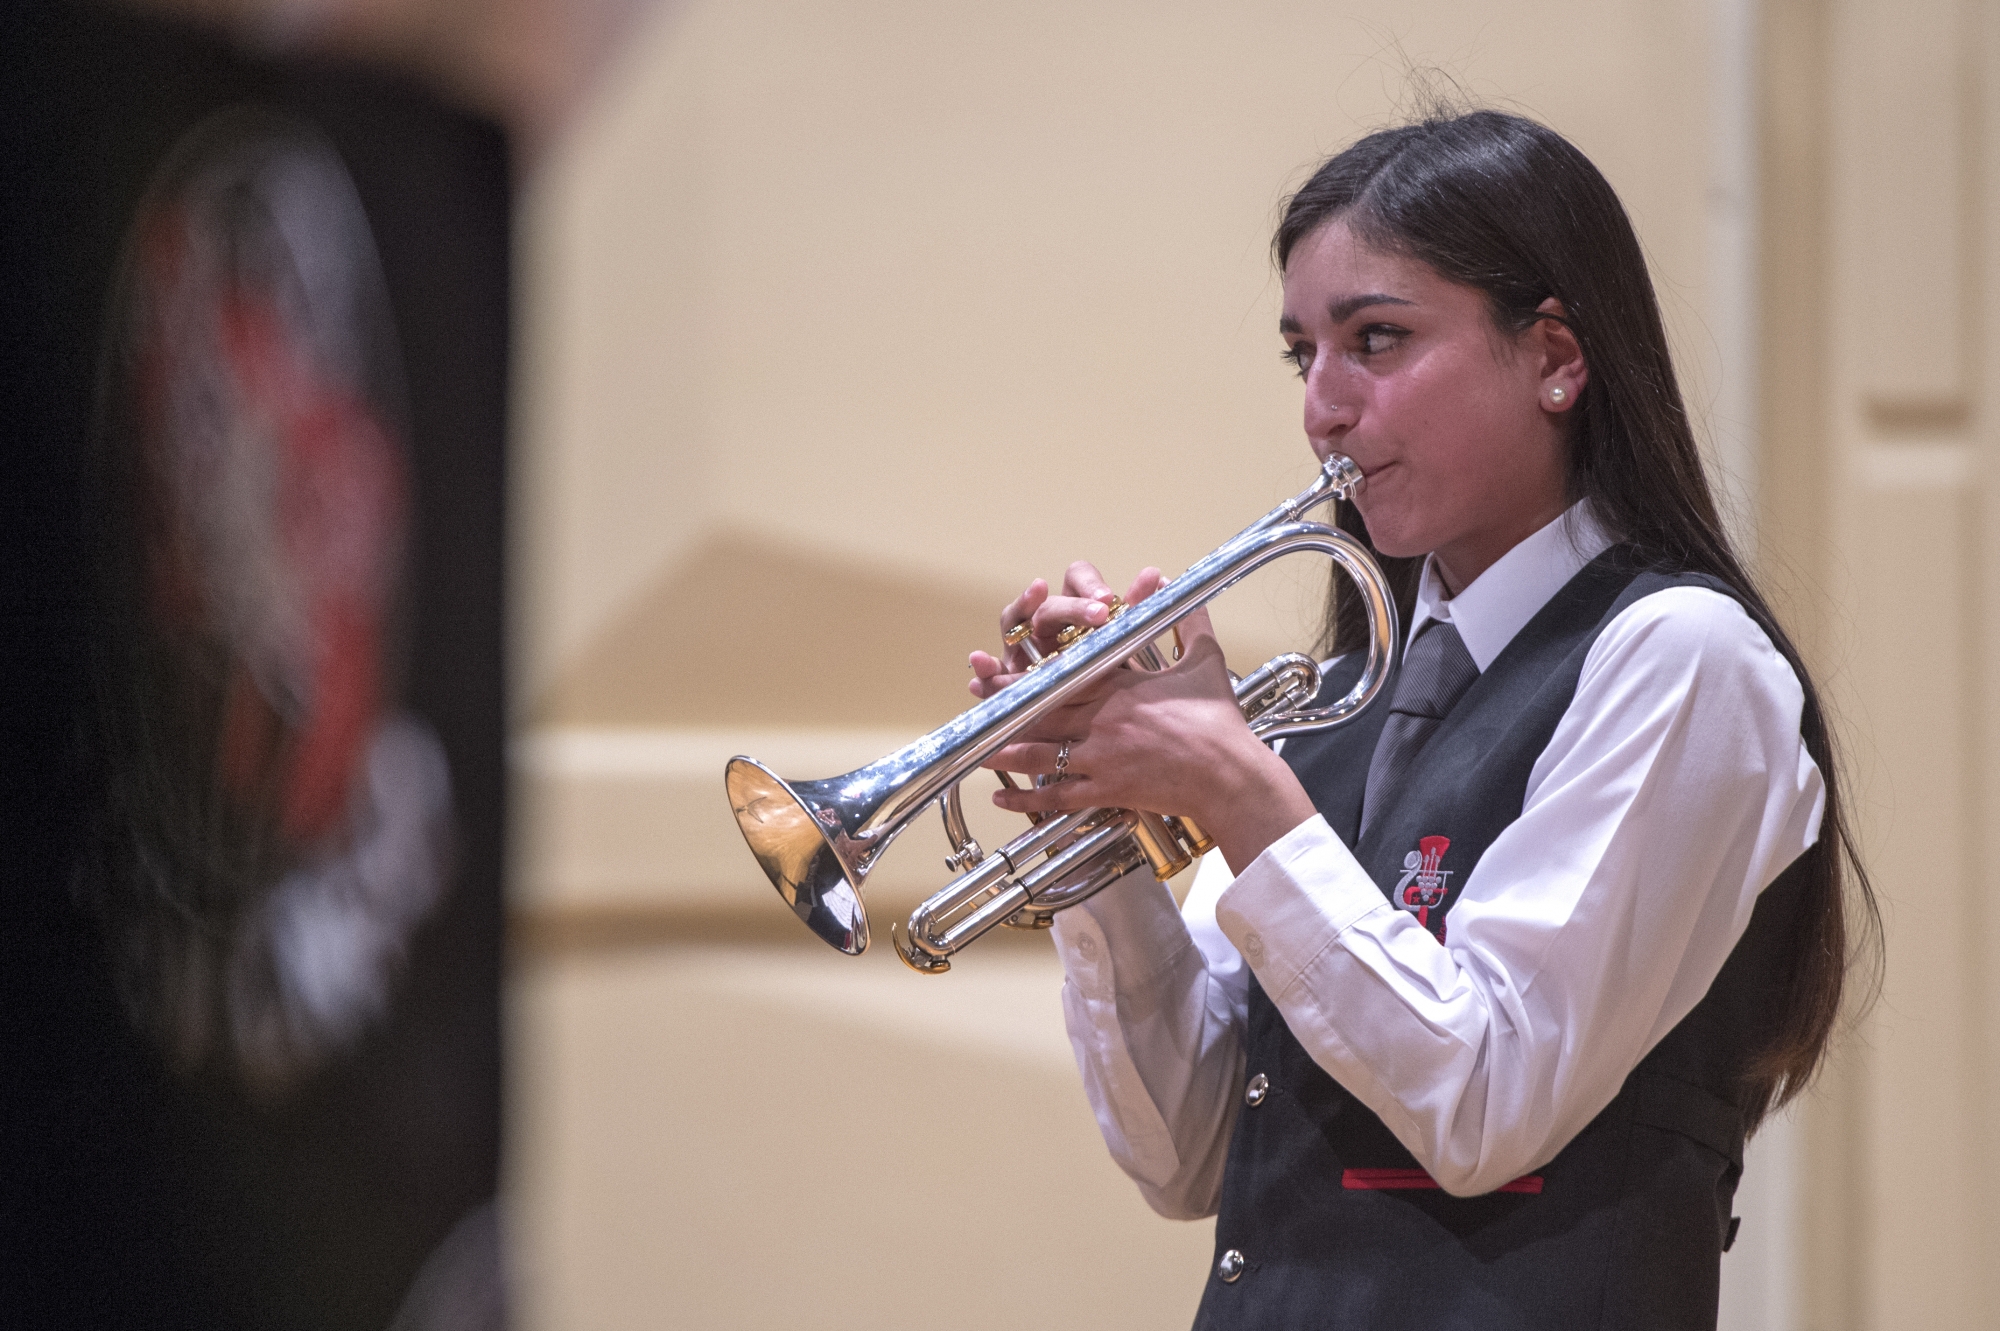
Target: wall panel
[[1879, 310], [1900, 204], [1907, 696], [1983, 47]]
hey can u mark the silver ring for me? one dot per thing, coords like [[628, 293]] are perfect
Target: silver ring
[[1062, 761]]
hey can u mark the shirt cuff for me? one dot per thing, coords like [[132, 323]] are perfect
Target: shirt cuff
[[1134, 920], [1293, 901]]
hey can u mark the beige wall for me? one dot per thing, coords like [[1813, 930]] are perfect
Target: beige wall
[[966, 291], [844, 320], [1881, 313]]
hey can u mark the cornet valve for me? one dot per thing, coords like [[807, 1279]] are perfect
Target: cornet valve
[[1022, 635]]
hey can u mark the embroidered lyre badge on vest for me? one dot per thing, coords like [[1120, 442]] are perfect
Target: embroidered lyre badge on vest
[[1422, 885]]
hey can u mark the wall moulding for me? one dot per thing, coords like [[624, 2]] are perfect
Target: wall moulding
[[1896, 416], [1913, 465]]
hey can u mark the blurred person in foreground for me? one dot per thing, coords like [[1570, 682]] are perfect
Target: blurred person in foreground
[[253, 790]]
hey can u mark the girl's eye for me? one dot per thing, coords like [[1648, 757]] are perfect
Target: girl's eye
[[1299, 356], [1378, 338]]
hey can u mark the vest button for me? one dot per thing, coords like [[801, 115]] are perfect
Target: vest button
[[1254, 1093], [1230, 1267]]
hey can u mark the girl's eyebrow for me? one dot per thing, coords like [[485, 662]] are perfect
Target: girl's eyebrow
[[1343, 310], [1340, 311]]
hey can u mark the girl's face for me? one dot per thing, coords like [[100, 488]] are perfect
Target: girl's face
[[1451, 419]]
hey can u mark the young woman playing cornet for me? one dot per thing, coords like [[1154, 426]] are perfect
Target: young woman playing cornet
[[1467, 1024]]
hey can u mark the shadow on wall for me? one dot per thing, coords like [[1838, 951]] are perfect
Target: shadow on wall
[[750, 631]]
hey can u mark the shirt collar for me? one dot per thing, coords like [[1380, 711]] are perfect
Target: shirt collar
[[1500, 602]]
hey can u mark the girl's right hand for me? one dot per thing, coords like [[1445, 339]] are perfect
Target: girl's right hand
[[1172, 741], [1085, 600]]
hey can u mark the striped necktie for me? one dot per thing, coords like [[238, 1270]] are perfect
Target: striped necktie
[[1436, 671]]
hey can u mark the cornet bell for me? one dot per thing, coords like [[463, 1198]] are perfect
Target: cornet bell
[[811, 863]]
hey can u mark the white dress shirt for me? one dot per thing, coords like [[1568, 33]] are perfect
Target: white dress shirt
[[1674, 789]]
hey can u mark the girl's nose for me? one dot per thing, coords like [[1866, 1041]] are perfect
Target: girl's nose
[[1330, 412]]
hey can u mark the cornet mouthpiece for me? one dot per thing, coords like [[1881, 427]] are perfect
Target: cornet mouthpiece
[[1344, 475]]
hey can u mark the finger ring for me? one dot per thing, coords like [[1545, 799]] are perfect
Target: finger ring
[[1062, 761]]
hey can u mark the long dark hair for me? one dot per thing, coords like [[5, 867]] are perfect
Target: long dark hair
[[1512, 209]]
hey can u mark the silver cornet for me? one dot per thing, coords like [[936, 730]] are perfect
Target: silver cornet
[[817, 840]]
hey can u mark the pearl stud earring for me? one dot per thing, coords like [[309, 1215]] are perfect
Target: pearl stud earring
[[1558, 395]]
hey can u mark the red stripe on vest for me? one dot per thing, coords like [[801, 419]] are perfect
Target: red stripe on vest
[[1417, 1178]]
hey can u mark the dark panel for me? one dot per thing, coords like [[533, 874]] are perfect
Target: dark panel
[[131, 1195]]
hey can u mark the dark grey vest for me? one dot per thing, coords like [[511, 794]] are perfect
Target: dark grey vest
[[1626, 1226]]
